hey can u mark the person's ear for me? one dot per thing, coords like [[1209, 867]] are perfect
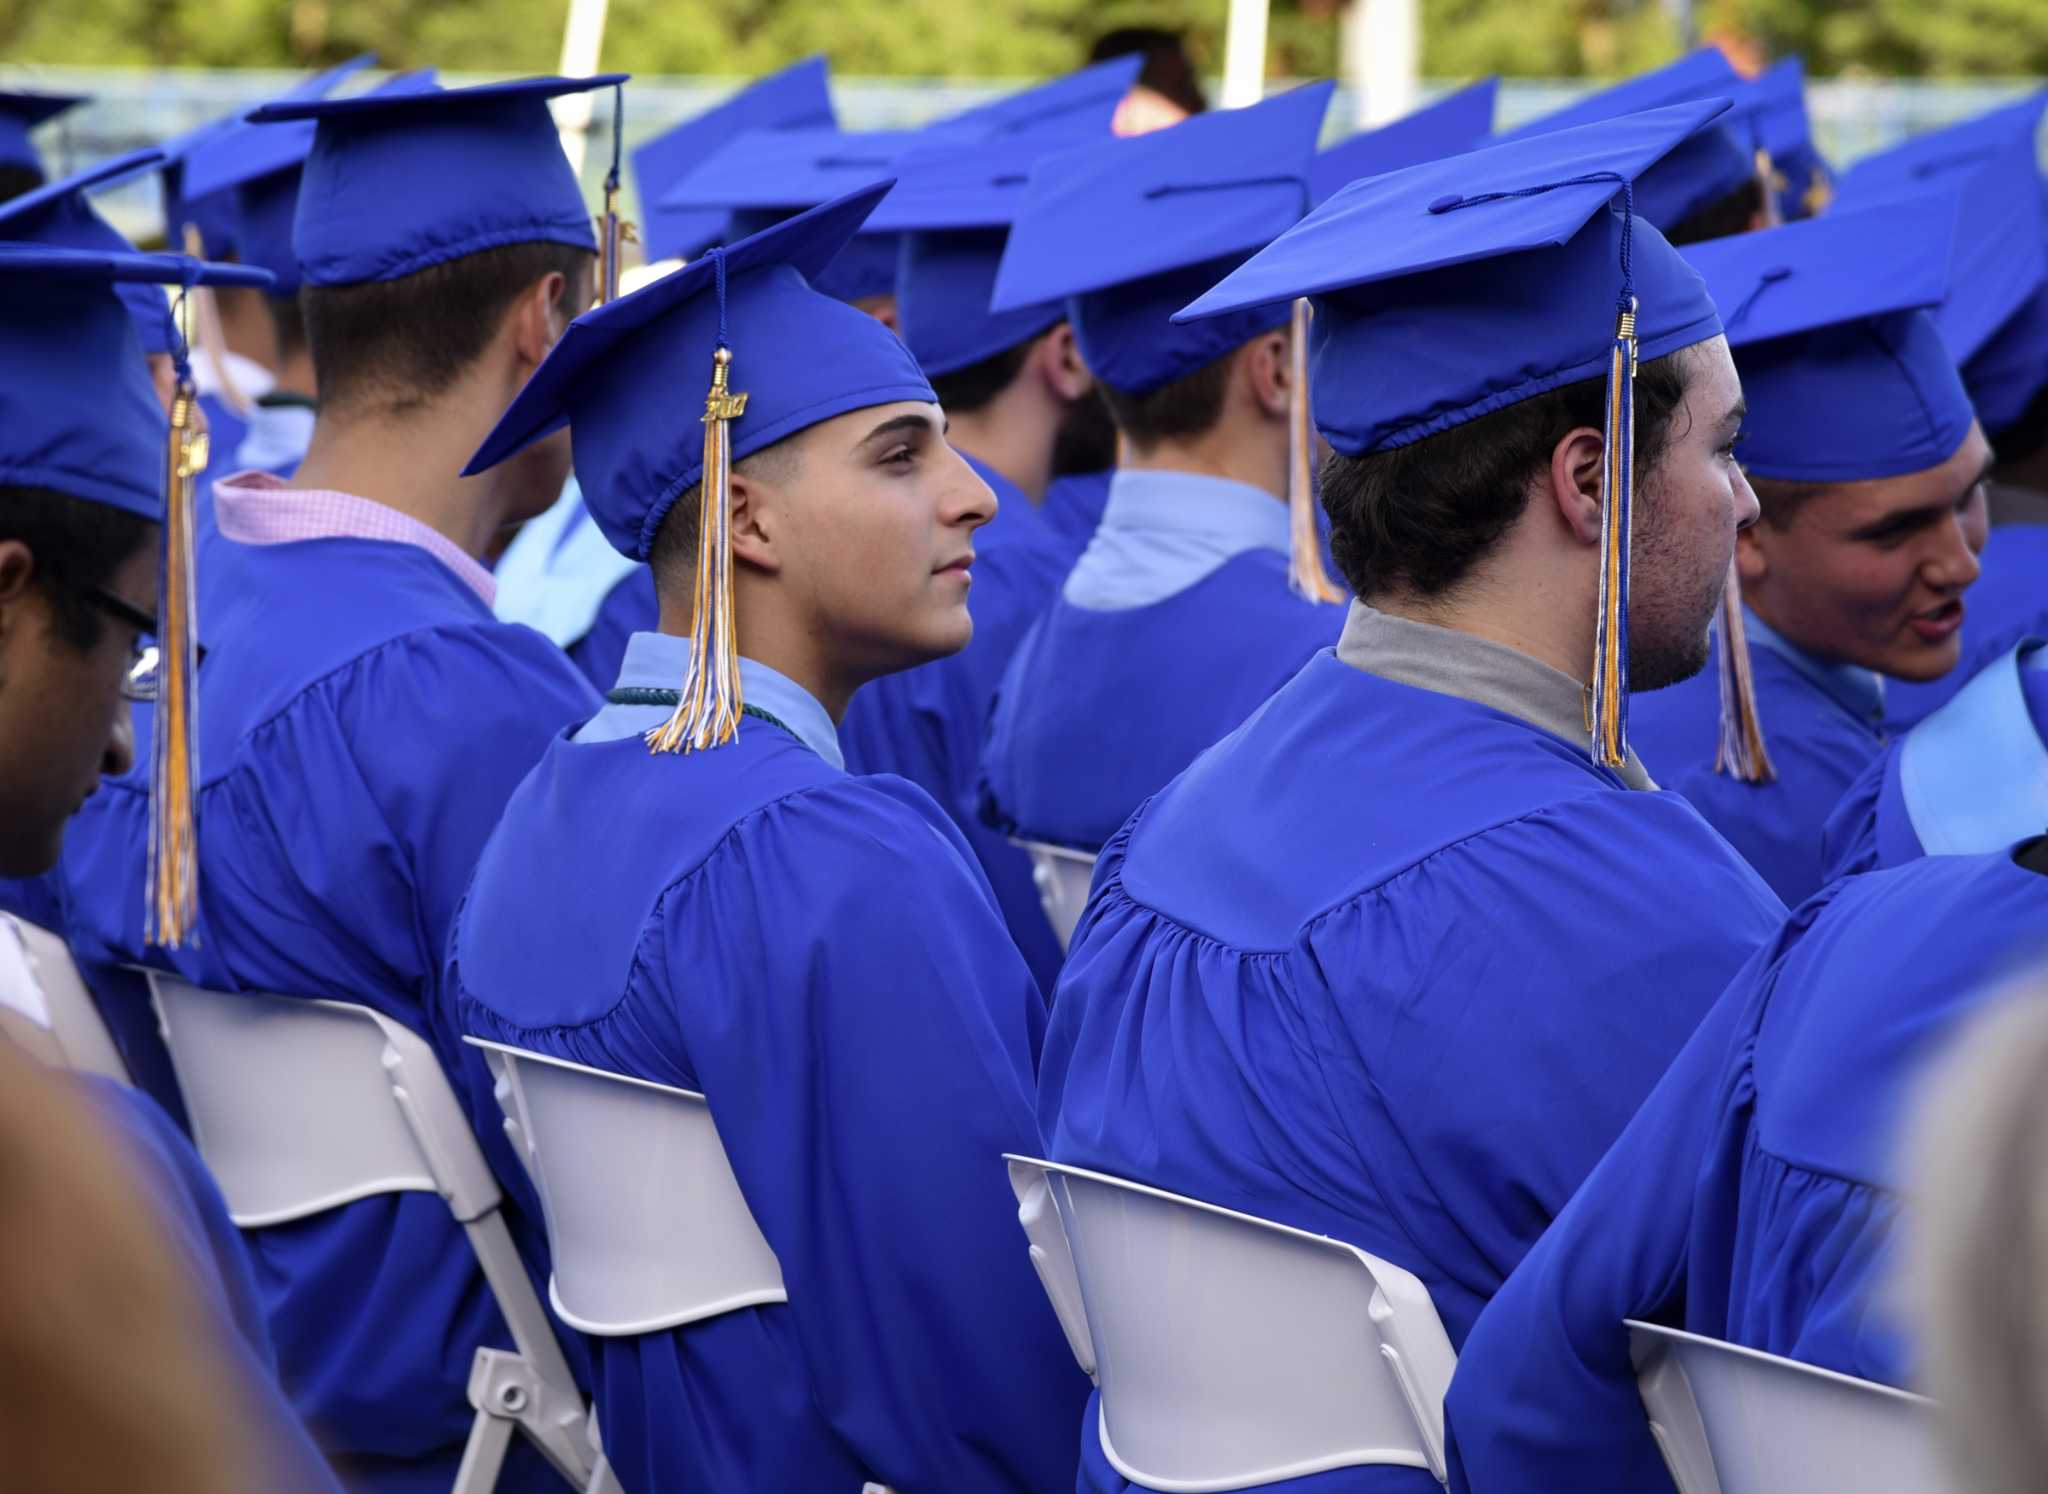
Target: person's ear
[[1574, 482], [757, 522], [1267, 370], [1057, 357], [1752, 554], [17, 583], [539, 318]]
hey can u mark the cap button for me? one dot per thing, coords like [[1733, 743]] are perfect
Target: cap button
[[1445, 204]]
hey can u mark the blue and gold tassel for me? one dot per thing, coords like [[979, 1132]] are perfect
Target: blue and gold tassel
[[1617, 494], [1741, 753], [708, 711], [173, 876], [1304, 539], [613, 231]]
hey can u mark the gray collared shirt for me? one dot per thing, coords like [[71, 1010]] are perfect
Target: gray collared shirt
[[1489, 674]]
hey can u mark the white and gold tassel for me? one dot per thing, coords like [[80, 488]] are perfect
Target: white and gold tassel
[[1741, 752], [173, 874], [1304, 537], [1617, 491]]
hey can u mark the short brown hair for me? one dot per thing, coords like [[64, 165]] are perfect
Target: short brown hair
[[400, 343], [1189, 406]]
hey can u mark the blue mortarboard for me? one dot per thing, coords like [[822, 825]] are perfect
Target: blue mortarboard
[[1454, 288], [798, 97], [400, 182], [1454, 124], [260, 166], [1128, 230], [1995, 319], [1069, 110], [1706, 167], [21, 112], [801, 357], [56, 215], [1844, 373], [1802, 177], [78, 413]]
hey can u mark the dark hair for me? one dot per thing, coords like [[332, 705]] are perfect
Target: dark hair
[[1733, 214], [290, 323], [400, 343], [77, 544], [15, 180], [673, 555], [1167, 70], [2026, 435], [971, 388], [1189, 406], [1421, 516], [1779, 499]]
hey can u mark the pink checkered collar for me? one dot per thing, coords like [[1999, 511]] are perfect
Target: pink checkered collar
[[255, 508]]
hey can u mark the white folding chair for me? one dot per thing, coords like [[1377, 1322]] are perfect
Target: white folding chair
[[1062, 877], [299, 1106], [1232, 1351], [1731, 1420], [45, 1007]]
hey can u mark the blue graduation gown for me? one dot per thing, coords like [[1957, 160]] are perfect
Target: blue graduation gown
[[817, 955], [926, 724], [2008, 603], [1822, 724], [1390, 966], [363, 719], [1175, 623], [1970, 777], [1752, 1198], [187, 1205], [1074, 504]]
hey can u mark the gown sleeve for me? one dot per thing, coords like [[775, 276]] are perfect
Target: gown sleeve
[[868, 1062]]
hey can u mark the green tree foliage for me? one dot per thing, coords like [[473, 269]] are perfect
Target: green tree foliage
[[1009, 38]]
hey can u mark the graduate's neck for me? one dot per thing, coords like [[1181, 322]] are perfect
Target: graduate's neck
[[295, 374], [1524, 594], [246, 326], [408, 461], [1013, 433], [766, 637], [1254, 454]]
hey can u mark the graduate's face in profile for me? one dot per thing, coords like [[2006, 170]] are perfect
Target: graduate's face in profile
[[63, 721], [1873, 573], [871, 523], [1688, 509]]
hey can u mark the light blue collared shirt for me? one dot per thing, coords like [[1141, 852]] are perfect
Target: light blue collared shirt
[[1161, 532], [657, 661], [1857, 690]]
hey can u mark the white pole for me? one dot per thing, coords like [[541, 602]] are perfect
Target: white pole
[[1244, 54], [1382, 42], [582, 41]]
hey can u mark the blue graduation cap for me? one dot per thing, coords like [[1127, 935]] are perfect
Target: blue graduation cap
[[1800, 174], [798, 97], [257, 167], [1705, 168], [1454, 288], [1128, 230], [1844, 373], [1072, 109], [21, 112], [782, 358], [56, 215], [398, 182], [1456, 123]]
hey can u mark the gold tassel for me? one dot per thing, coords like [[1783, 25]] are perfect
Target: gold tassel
[[1305, 544], [173, 886], [209, 336], [1610, 632], [1741, 753], [614, 232], [708, 712]]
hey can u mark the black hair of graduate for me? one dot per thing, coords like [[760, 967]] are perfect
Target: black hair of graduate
[[1738, 212], [77, 545], [1419, 517], [397, 344]]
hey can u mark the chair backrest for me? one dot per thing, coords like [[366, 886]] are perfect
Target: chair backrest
[[645, 1219], [1062, 878], [1233, 1351], [1731, 1420], [299, 1106], [45, 1007]]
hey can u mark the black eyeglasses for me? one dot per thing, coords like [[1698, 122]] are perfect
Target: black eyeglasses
[[139, 681]]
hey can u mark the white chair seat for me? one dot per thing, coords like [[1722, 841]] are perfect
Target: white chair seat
[[1731, 1420], [1232, 1351], [45, 1007], [1062, 877], [300, 1106], [645, 1219]]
